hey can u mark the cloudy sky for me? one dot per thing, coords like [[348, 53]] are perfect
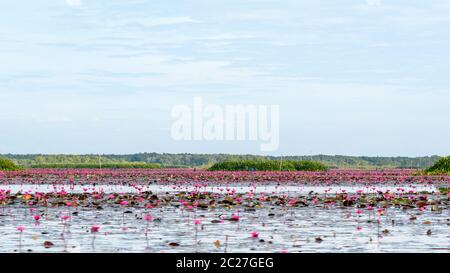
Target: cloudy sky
[[353, 77]]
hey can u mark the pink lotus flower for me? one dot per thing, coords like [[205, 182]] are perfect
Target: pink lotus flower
[[235, 217], [97, 196], [20, 228], [254, 234], [124, 203], [65, 217], [148, 218], [197, 222], [37, 217], [95, 229]]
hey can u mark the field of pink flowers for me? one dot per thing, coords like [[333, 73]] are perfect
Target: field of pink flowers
[[145, 176], [179, 210]]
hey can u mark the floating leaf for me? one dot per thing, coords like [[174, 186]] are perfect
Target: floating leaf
[[26, 197], [217, 243], [48, 244]]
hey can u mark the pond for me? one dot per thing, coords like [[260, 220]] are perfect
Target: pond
[[265, 228]]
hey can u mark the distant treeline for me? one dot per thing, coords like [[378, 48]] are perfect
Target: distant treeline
[[268, 165], [8, 165], [118, 165], [441, 167], [207, 160]]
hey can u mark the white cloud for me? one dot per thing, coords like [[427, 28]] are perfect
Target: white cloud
[[152, 22], [73, 3], [373, 2]]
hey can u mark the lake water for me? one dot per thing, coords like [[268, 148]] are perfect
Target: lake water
[[292, 229]]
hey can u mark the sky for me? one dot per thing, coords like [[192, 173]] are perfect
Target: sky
[[350, 77]]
